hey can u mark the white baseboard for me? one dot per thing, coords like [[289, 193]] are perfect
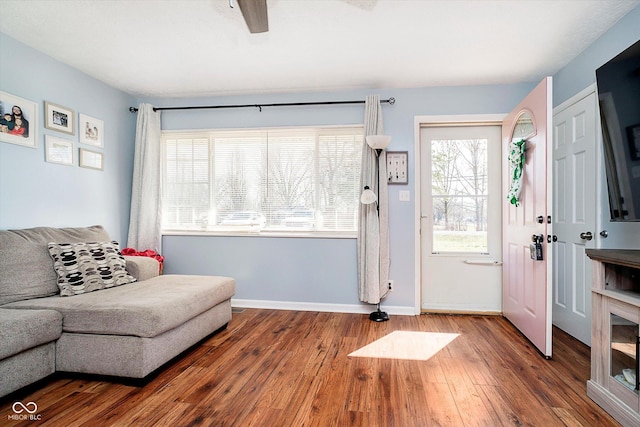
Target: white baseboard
[[331, 308], [460, 309], [462, 312]]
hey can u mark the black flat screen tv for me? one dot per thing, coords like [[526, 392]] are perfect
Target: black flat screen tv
[[618, 84]]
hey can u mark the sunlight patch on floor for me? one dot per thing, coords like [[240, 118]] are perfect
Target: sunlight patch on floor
[[407, 345]]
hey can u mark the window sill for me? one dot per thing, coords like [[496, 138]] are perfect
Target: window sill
[[277, 234]]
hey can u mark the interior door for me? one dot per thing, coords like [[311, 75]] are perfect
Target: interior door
[[574, 215], [526, 291]]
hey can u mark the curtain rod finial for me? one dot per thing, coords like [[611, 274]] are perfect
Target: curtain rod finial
[[133, 109]]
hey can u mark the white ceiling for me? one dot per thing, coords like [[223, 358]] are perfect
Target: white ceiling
[[169, 48]]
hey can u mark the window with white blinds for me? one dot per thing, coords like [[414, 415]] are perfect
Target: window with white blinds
[[271, 180]]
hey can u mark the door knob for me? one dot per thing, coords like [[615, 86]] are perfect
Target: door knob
[[586, 236]]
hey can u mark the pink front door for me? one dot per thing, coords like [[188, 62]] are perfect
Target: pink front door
[[526, 289]]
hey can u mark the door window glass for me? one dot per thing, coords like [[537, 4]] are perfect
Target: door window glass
[[459, 195]]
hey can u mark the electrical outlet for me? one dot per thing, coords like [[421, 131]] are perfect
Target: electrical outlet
[[390, 285]]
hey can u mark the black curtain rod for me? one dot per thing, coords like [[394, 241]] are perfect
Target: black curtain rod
[[390, 101]]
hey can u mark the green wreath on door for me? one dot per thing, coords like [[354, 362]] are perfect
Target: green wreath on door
[[516, 166]]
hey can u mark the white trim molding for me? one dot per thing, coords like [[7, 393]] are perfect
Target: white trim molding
[[575, 98], [439, 120], [321, 307]]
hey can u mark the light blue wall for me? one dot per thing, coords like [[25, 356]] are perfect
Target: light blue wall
[[33, 192], [36, 193], [579, 74], [321, 270], [276, 269]]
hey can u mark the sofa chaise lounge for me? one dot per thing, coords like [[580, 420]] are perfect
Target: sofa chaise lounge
[[124, 330]]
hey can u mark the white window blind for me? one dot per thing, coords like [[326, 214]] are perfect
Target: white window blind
[[272, 180], [186, 181]]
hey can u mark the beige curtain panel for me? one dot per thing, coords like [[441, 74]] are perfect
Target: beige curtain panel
[[373, 229], [145, 218]]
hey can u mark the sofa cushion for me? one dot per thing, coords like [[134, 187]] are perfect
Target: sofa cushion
[[144, 309], [24, 329], [88, 266], [26, 269]]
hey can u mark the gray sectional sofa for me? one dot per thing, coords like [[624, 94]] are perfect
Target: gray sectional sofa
[[128, 328]]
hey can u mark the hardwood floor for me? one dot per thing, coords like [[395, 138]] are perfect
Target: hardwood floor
[[286, 368]]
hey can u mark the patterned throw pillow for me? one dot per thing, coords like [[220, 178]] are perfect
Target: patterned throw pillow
[[88, 267]]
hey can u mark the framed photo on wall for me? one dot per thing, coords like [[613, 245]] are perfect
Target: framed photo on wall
[[91, 159], [59, 118], [18, 120], [58, 150], [91, 130]]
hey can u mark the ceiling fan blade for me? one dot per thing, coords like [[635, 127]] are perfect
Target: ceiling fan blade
[[255, 15]]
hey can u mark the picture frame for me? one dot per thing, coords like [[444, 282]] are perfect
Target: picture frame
[[91, 130], [26, 133], [58, 150], [59, 118], [91, 159], [633, 133], [398, 167]]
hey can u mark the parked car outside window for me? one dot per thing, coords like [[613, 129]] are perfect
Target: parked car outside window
[[300, 219], [251, 219]]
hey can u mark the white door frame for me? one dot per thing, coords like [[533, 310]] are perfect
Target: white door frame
[[465, 119]]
